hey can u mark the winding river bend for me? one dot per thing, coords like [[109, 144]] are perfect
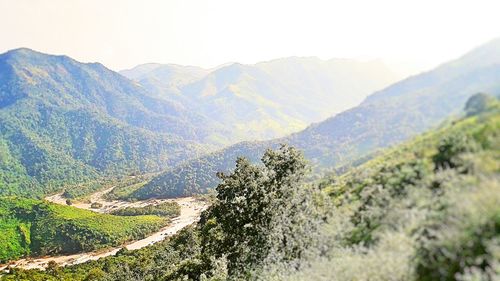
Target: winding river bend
[[191, 209]]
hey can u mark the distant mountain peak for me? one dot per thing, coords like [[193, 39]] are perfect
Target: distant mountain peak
[[26, 56], [157, 69], [22, 50], [27, 52]]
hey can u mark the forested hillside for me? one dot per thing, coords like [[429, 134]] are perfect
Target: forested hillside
[[37, 228], [64, 122], [225, 140], [387, 117], [425, 210]]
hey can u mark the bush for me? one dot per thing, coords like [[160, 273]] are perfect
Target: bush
[[465, 238], [451, 148], [96, 205], [166, 209], [479, 103]]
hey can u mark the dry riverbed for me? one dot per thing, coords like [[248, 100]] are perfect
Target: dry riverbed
[[191, 209]]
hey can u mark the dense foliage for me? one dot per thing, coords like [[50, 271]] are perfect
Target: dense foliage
[[33, 227], [425, 210], [262, 213], [124, 187], [64, 123], [166, 209], [428, 210], [198, 175]]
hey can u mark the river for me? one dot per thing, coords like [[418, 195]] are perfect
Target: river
[[191, 209]]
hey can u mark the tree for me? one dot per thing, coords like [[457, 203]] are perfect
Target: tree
[[450, 150], [262, 213], [95, 274], [479, 103]]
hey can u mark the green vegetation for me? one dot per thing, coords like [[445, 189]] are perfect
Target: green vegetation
[[166, 209], [425, 210], [122, 186], [64, 124], [199, 175], [258, 211], [36, 228], [479, 103], [261, 214], [81, 190]]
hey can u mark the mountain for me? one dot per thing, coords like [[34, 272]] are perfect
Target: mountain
[[62, 122], [386, 117], [168, 75], [268, 99]]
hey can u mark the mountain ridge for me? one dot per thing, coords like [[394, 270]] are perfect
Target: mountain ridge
[[388, 117], [65, 122], [269, 99]]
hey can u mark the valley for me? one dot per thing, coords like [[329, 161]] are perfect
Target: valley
[[385, 118], [293, 168], [374, 221], [190, 210]]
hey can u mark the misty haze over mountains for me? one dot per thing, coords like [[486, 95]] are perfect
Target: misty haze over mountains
[[268, 99], [384, 118], [64, 121]]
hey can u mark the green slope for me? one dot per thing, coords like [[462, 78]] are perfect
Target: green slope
[[35, 228], [425, 210], [64, 123]]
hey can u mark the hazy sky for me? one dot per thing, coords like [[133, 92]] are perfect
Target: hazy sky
[[122, 34]]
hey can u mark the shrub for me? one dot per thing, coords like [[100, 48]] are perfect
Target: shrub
[[96, 205]]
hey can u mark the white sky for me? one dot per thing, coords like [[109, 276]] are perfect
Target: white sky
[[122, 34]]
